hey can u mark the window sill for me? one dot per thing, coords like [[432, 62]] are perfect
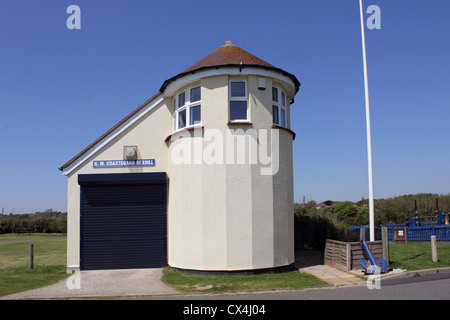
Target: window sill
[[234, 123], [274, 126], [186, 129]]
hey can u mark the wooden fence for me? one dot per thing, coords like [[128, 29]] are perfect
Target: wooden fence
[[345, 255], [336, 255]]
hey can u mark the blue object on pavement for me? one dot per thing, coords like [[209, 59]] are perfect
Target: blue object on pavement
[[374, 268]]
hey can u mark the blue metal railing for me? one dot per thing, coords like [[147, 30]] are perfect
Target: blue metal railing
[[414, 234], [424, 233]]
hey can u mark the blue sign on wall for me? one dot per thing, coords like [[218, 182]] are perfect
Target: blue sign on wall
[[123, 163]]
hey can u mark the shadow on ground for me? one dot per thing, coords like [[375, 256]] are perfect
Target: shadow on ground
[[309, 257]]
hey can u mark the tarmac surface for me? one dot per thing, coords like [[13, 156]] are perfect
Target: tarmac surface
[[105, 284]]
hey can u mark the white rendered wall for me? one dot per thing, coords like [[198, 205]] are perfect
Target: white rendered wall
[[221, 217]]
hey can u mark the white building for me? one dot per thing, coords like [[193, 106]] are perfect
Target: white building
[[198, 178]]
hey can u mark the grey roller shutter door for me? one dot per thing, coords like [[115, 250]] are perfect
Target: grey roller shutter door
[[123, 226]]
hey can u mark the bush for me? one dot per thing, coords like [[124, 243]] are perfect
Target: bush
[[311, 232], [41, 222], [314, 225]]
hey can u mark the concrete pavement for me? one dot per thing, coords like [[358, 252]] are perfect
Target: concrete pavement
[[332, 276], [311, 262], [147, 282], [101, 283]]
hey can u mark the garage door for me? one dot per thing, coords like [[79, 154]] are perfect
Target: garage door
[[123, 221]]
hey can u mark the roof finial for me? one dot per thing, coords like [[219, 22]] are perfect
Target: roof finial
[[228, 43]]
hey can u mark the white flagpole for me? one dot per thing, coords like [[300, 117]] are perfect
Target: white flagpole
[[369, 138]]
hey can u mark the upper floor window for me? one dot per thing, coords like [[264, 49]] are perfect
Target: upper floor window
[[187, 108], [279, 107], [238, 100]]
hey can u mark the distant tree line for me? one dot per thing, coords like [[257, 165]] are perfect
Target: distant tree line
[[40, 222], [314, 222]]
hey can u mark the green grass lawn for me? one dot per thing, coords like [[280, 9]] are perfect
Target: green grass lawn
[[196, 283], [417, 256], [50, 267], [49, 261]]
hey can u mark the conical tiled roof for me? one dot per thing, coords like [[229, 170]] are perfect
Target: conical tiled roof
[[230, 55]]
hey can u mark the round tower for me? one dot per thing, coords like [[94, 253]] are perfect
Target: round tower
[[230, 171]]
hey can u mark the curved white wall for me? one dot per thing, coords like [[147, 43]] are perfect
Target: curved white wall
[[229, 217], [221, 217]]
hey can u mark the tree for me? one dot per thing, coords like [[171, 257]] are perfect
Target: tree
[[345, 212]]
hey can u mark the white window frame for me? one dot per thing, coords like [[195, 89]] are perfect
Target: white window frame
[[188, 105], [281, 106], [244, 98]]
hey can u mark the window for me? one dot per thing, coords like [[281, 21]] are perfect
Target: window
[[276, 113], [279, 107], [238, 100], [187, 108]]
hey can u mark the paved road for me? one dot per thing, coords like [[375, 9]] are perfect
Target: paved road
[[432, 287], [285, 305]]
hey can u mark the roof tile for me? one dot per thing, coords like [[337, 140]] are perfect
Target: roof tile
[[226, 55]]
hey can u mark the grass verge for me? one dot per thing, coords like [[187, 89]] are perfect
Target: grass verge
[[219, 284], [50, 267], [13, 280], [49, 261], [417, 256]]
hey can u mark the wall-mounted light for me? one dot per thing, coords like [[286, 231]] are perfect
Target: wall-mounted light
[[130, 152], [261, 83]]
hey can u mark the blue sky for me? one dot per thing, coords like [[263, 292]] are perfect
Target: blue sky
[[61, 89]]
